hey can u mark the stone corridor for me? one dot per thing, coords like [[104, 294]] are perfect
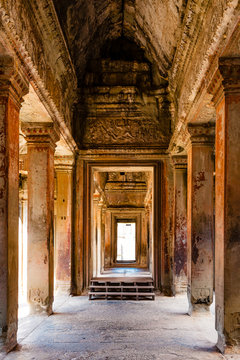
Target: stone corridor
[[125, 330]]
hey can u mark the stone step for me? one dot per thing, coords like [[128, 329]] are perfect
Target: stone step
[[121, 286], [116, 288], [120, 294]]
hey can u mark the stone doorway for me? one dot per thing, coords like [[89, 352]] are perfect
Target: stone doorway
[[121, 220]]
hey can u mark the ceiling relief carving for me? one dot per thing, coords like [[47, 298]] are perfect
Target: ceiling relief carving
[[121, 107], [123, 132]]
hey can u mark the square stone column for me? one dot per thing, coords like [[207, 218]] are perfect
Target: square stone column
[[200, 216], [79, 228], [63, 222], [166, 230], [41, 139], [12, 88], [227, 227], [180, 223]]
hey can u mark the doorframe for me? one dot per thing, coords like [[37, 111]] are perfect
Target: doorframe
[[84, 269]]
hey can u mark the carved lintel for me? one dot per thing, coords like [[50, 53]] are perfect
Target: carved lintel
[[216, 88], [13, 83], [41, 134], [203, 133], [179, 161], [64, 163]]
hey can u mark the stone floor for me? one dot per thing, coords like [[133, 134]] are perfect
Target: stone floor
[[125, 272], [118, 330]]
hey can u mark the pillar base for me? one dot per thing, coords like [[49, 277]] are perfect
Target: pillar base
[[198, 309], [63, 288], [5, 345], [227, 348], [221, 344], [167, 290], [40, 309]]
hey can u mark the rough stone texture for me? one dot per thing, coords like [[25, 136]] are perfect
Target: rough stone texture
[[41, 139], [200, 218], [143, 330]]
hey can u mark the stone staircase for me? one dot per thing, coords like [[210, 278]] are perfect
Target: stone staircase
[[122, 289]]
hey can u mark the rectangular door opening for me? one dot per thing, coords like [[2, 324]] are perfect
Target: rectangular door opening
[[126, 241]]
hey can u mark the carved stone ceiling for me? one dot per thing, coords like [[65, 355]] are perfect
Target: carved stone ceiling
[[154, 25], [31, 111]]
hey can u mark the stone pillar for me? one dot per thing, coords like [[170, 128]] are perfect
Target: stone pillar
[[99, 236], [200, 217], [180, 223], [78, 243], [107, 243], [12, 88], [95, 229], [227, 229], [103, 220], [166, 230], [41, 139], [22, 241], [63, 222]]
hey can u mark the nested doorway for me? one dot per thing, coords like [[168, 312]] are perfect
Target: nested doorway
[[122, 220]]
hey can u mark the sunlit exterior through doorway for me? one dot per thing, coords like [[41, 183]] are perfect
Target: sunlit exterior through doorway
[[126, 241]]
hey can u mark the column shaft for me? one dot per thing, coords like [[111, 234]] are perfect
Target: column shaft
[[200, 218], [63, 223], [41, 139], [12, 89], [166, 230], [227, 227], [78, 243], [180, 223]]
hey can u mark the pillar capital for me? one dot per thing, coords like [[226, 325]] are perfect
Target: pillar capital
[[201, 133], [179, 161], [64, 163], [13, 82], [226, 79], [229, 68], [40, 134]]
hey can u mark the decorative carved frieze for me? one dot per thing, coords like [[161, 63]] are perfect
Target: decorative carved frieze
[[215, 88], [40, 134]]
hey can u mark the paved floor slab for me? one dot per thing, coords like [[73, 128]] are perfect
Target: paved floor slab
[[118, 330]]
